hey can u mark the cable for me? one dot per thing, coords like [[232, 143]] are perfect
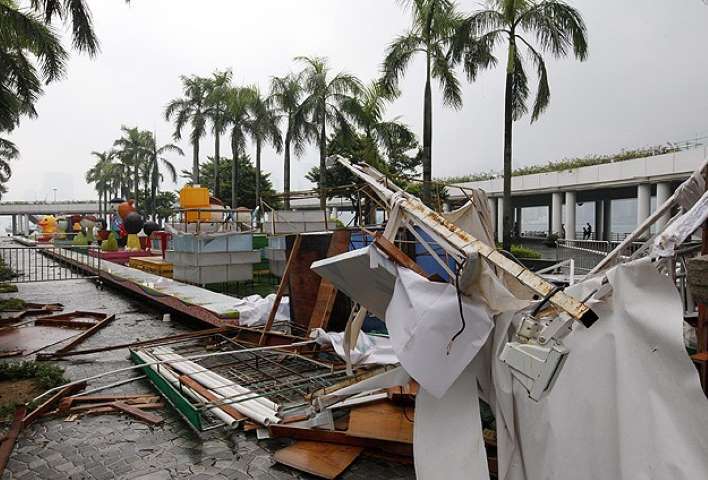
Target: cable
[[459, 304]]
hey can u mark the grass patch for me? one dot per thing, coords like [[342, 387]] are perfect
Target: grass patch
[[6, 273], [22, 381], [12, 304], [7, 288], [523, 252]]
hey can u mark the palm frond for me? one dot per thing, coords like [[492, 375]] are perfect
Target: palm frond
[[443, 71], [397, 59], [558, 27]]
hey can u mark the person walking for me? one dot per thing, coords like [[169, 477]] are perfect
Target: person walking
[[589, 230]]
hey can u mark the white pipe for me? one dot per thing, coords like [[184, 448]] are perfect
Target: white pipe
[[164, 373]]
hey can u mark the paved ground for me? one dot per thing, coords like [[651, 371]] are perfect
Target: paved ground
[[114, 446]]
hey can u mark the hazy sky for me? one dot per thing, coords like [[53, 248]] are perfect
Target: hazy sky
[[644, 83]]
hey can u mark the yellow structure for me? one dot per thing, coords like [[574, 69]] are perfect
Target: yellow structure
[[195, 197], [154, 265]]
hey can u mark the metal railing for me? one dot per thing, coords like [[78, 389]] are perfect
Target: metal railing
[[588, 253], [49, 263]]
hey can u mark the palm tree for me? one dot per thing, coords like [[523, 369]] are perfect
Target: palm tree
[[434, 22], [237, 118], [25, 40], [155, 160], [132, 152], [102, 175], [8, 152], [368, 110], [287, 94], [190, 109], [218, 89], [263, 128], [556, 28], [326, 94]]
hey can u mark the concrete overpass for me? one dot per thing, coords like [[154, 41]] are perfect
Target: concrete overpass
[[561, 191], [23, 213]]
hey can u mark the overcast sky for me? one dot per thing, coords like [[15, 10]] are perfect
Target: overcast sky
[[643, 84]]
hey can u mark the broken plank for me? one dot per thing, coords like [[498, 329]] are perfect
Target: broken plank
[[87, 334], [110, 398], [325, 460], [8, 443], [382, 421], [206, 393], [340, 438], [113, 409], [48, 404], [139, 414]]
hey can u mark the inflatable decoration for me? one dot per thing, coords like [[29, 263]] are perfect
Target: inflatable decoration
[[62, 227], [48, 226], [133, 223], [102, 230], [110, 244], [87, 225], [80, 240], [150, 227]]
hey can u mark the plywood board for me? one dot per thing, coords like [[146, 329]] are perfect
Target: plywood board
[[325, 460], [382, 421]]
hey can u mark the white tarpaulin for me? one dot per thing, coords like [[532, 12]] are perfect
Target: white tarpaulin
[[628, 403], [422, 317], [254, 310], [369, 349]]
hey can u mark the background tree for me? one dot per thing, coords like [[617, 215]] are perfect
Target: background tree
[[556, 28], [326, 94], [8, 152], [190, 109], [218, 88], [263, 128], [155, 160], [246, 181], [132, 152], [433, 24], [287, 94], [237, 118], [101, 174]]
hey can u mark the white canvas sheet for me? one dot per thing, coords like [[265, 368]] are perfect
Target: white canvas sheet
[[369, 349], [422, 317], [254, 310], [628, 403]]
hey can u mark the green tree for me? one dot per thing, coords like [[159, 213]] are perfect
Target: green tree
[[325, 95], [433, 24], [102, 175], [237, 118], [263, 128], [554, 27], [8, 152], [218, 90], [156, 159], [287, 94], [246, 181], [131, 151], [190, 109]]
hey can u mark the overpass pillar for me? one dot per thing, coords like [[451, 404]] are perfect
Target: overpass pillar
[[663, 192], [570, 215], [500, 219], [493, 212], [14, 224], [556, 213], [599, 233], [643, 202]]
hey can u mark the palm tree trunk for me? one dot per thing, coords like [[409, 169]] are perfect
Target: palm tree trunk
[[323, 172], [136, 179], [427, 134], [234, 174], [217, 172], [195, 162], [286, 172], [508, 124], [258, 173], [153, 191]]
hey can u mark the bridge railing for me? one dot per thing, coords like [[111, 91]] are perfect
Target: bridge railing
[[588, 253]]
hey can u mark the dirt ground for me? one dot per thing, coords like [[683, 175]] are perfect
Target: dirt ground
[[18, 391]]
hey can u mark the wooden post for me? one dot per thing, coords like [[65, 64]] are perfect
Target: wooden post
[[281, 290]]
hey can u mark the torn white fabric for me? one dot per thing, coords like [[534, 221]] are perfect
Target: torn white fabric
[[447, 434], [254, 310], [392, 378], [680, 229], [422, 318], [627, 404], [369, 349], [693, 188], [474, 217]]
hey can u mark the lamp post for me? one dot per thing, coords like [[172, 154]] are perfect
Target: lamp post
[[54, 189]]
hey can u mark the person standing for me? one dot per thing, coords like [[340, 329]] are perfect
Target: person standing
[[589, 230]]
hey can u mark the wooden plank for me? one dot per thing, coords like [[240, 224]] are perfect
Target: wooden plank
[[54, 399], [382, 421], [210, 331], [340, 438], [303, 283], [113, 409], [206, 393], [110, 398], [87, 334], [136, 412], [281, 289], [394, 253], [8, 443], [325, 460], [327, 292]]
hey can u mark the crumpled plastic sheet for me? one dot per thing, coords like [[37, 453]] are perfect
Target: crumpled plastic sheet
[[680, 229], [369, 349], [628, 402], [253, 310]]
